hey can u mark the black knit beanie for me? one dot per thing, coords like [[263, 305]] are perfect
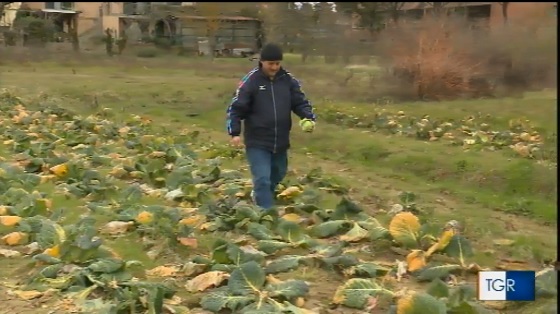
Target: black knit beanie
[[271, 52]]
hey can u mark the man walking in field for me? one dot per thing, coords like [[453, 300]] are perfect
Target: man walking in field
[[264, 101]]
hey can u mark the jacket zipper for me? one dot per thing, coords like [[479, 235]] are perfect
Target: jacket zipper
[[275, 117]]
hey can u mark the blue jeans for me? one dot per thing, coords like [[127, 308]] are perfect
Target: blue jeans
[[268, 170]]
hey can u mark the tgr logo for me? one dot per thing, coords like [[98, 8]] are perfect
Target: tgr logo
[[506, 285], [499, 285]]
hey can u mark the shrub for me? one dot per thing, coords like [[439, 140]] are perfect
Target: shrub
[[531, 55], [10, 38], [37, 31], [163, 43], [147, 53], [429, 58], [97, 40], [446, 58]]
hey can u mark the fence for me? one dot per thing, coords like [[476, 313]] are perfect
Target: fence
[[237, 33]]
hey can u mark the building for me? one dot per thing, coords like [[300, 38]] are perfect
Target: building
[[523, 12], [86, 13], [489, 13], [93, 18]]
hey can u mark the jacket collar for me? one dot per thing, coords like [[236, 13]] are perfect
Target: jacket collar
[[279, 74]]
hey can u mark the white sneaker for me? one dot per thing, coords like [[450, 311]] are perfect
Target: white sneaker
[[253, 197]]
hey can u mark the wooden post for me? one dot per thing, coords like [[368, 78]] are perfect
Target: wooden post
[[74, 33]]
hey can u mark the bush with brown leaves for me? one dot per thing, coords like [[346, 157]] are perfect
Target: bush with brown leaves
[[447, 58]]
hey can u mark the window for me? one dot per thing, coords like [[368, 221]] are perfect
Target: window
[[129, 8], [135, 8], [479, 11], [67, 5], [59, 5], [414, 14], [458, 11]]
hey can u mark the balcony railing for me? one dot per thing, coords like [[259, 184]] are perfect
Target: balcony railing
[[59, 5]]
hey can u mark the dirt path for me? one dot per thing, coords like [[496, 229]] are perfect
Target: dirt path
[[13, 304]]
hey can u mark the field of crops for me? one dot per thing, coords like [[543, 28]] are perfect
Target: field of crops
[[472, 132], [74, 186]]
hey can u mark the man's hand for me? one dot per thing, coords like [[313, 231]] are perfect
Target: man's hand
[[236, 141], [307, 125]]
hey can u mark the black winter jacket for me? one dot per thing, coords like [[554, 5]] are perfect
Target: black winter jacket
[[265, 107]]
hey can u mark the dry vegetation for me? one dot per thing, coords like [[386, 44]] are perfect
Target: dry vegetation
[[445, 58]]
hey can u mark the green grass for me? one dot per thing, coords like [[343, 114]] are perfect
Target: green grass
[[493, 194]]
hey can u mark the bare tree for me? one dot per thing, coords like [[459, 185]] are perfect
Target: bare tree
[[305, 35], [73, 31], [283, 23], [370, 13], [211, 11], [393, 9], [437, 7], [324, 17], [325, 23]]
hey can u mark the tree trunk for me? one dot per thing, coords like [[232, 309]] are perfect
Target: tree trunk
[[74, 34], [504, 11], [395, 17], [438, 8], [395, 8], [108, 42], [211, 46]]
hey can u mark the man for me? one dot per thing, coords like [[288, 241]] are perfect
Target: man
[[264, 101]]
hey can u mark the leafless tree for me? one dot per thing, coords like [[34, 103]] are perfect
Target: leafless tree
[[393, 9], [370, 13]]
